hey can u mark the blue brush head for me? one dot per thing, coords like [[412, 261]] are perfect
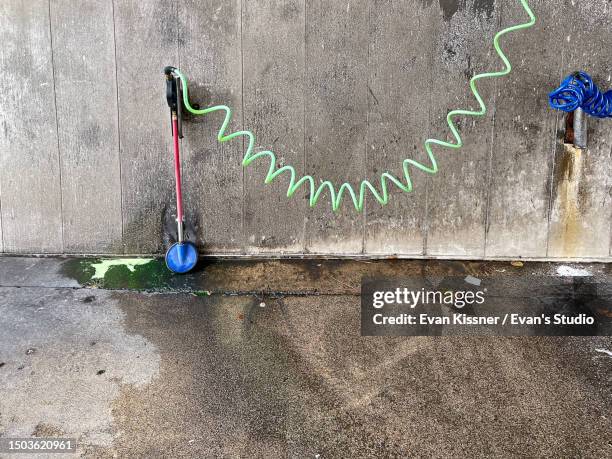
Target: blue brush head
[[181, 258]]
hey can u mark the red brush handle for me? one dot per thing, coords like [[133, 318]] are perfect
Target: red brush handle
[[177, 169]]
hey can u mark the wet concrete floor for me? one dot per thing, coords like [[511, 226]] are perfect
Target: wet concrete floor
[[265, 359]]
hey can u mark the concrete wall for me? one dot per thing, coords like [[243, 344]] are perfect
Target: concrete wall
[[339, 89]]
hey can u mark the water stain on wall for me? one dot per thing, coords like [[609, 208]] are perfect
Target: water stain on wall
[[567, 231], [450, 7], [486, 7]]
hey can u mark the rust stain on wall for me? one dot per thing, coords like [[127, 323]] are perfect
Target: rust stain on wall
[[567, 230]]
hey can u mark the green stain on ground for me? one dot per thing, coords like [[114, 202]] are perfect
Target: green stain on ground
[[102, 267], [81, 270], [148, 274]]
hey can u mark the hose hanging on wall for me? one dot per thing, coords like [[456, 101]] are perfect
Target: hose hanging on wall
[[579, 91], [381, 196]]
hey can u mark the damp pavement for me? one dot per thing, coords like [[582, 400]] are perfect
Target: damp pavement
[[265, 359]]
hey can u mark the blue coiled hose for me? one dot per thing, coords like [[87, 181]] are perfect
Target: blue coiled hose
[[579, 91]]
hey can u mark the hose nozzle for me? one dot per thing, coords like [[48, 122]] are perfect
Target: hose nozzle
[[173, 96]]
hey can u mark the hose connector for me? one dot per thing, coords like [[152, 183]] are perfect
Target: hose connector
[[173, 96]]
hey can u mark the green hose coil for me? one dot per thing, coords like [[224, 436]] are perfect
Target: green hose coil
[[383, 196]]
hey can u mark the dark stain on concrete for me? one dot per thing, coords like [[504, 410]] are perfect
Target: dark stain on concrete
[[212, 383], [450, 7], [469, 71], [47, 430], [449, 52], [282, 278], [142, 231], [486, 7], [79, 269], [91, 135], [297, 380], [166, 25], [290, 11]]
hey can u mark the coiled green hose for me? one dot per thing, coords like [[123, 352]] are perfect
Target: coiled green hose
[[383, 196]]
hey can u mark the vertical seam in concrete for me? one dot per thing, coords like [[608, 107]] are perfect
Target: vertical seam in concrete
[[57, 135], [304, 84], [607, 196], [552, 178], [367, 131], [242, 220], [552, 160], [1, 225], [490, 165], [425, 224], [119, 156], [178, 35], [610, 220]]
